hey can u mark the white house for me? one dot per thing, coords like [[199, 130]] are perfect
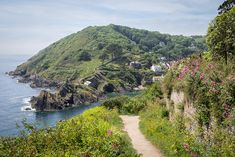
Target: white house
[[135, 65], [156, 68], [87, 83]]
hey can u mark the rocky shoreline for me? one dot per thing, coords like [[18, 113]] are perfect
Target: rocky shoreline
[[34, 80], [66, 95]]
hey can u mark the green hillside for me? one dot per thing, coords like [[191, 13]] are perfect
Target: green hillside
[[93, 49]]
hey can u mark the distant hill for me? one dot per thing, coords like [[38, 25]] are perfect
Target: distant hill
[[80, 54]]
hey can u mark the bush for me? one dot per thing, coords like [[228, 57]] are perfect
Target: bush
[[174, 140], [84, 56], [116, 102], [171, 140], [97, 132], [125, 104]]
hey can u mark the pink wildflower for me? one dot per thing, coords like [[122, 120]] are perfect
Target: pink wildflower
[[110, 132], [186, 147], [210, 66], [201, 76]]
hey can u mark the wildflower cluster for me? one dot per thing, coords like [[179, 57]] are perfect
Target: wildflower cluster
[[227, 110]]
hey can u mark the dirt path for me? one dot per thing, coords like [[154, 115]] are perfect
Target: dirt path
[[143, 146]]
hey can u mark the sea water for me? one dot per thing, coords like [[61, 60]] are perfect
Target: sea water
[[14, 100]]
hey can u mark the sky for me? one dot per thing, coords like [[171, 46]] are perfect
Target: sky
[[27, 26]]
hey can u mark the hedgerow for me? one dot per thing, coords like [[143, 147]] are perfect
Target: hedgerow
[[97, 132]]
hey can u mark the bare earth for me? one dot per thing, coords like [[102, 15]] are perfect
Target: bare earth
[[139, 142]]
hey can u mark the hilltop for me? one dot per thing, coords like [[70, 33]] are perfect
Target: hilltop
[[81, 54], [102, 59]]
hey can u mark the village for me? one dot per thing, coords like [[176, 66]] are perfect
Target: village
[[155, 73]]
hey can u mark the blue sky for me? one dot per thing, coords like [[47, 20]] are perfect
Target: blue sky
[[27, 26]]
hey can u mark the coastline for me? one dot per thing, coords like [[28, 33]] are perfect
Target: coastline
[[57, 95]]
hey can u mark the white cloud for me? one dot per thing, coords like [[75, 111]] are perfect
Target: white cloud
[[28, 26]]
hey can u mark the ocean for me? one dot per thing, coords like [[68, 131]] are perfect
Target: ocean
[[14, 98]]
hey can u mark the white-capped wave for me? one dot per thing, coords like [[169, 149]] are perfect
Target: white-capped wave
[[26, 100], [27, 106]]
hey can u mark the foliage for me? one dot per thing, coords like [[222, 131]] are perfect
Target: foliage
[[168, 82], [174, 140], [84, 56], [221, 35], [153, 92], [114, 49], [125, 104], [97, 132], [133, 105], [209, 85], [226, 6]]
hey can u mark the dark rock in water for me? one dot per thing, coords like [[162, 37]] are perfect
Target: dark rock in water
[[67, 96], [17, 72], [27, 109]]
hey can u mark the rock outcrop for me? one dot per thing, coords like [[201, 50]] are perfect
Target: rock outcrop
[[67, 96], [177, 103], [34, 80]]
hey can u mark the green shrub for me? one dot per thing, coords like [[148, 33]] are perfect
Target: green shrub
[[125, 104], [174, 140], [171, 140], [97, 132], [115, 102]]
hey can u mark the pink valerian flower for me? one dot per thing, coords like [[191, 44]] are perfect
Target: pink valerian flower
[[192, 73], [210, 67], [202, 76], [194, 154], [195, 63], [213, 83], [186, 147], [115, 145], [183, 72], [110, 132], [227, 110]]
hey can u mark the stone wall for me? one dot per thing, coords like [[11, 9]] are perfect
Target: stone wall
[[178, 104]]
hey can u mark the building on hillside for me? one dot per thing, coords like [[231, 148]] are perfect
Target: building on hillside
[[94, 83], [87, 83], [135, 65], [159, 70], [156, 68]]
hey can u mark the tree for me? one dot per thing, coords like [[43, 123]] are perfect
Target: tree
[[115, 50], [226, 6], [85, 56], [103, 57], [221, 35]]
